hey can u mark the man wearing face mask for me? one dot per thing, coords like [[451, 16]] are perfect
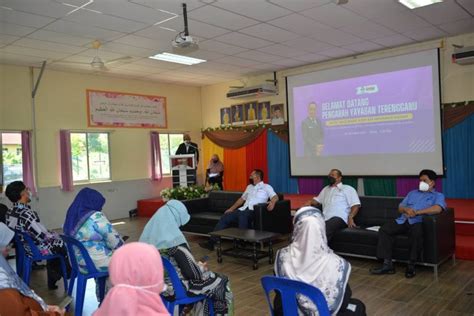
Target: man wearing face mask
[[241, 211], [418, 203], [340, 204], [188, 147], [22, 218]]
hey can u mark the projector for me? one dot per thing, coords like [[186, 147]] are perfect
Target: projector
[[184, 44]]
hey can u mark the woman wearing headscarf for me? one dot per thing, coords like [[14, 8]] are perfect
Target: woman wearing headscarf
[[309, 259], [215, 171], [136, 273], [16, 298], [86, 223], [22, 217], [162, 231]]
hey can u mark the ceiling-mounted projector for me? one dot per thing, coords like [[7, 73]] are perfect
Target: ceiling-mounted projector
[[184, 43]]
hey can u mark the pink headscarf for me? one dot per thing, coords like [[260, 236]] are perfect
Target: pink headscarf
[[136, 273]]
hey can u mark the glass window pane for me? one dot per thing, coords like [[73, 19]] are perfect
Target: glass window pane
[[165, 157], [12, 158], [99, 163], [175, 140], [79, 157]]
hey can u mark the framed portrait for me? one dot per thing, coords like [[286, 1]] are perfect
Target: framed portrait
[[278, 116], [237, 113], [251, 112], [264, 112], [225, 116]]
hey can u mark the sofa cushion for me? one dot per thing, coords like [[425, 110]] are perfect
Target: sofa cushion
[[206, 216], [375, 210], [219, 201]]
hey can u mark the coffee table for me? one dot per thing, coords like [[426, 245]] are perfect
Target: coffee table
[[255, 237]]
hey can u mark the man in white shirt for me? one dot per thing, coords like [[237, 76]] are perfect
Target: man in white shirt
[[241, 211], [340, 204]]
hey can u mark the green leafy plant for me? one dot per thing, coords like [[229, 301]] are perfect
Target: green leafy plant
[[187, 193]]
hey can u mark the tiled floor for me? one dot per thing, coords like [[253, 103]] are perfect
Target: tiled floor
[[453, 294]]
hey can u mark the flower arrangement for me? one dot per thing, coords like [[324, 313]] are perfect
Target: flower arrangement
[[187, 193]]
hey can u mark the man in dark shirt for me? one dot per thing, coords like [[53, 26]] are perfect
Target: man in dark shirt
[[313, 133], [188, 148], [418, 203]]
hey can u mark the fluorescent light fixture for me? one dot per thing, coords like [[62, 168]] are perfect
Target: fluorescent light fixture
[[413, 4], [179, 59]]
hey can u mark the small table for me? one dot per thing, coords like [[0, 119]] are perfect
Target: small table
[[247, 235]]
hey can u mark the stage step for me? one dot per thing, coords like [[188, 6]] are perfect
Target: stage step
[[465, 247]]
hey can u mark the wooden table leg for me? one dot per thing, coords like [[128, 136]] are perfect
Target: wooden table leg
[[219, 250], [255, 259]]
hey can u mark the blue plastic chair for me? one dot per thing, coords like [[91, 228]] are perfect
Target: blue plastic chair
[[92, 272], [181, 297], [288, 290], [25, 261]]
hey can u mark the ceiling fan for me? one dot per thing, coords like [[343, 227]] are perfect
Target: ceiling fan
[[97, 62]]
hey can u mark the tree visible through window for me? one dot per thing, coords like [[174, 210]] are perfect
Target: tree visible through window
[[168, 145], [90, 156], [11, 158]]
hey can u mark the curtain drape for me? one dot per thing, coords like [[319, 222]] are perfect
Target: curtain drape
[[209, 149], [27, 157], [256, 155], [380, 186], [156, 169], [279, 165], [67, 183], [310, 185], [235, 177]]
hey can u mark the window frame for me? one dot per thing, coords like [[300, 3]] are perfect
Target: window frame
[[79, 182], [2, 175], [169, 153]]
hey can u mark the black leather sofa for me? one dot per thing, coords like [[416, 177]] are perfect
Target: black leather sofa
[[439, 235], [206, 212]]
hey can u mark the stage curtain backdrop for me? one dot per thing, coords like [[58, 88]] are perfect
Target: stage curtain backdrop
[[458, 159], [380, 186], [311, 185], [208, 149], [256, 156], [233, 138], [279, 165], [235, 176]]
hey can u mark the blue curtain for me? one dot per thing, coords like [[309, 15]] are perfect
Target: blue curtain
[[279, 165], [458, 149]]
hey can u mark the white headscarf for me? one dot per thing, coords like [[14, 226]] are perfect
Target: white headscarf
[[309, 259], [6, 235]]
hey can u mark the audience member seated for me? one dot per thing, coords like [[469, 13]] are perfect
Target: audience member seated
[[242, 211], [309, 259], [136, 273], [22, 218], [16, 298], [163, 232], [418, 203], [215, 171], [340, 204], [86, 223]]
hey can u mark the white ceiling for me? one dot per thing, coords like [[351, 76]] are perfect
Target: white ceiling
[[237, 37]]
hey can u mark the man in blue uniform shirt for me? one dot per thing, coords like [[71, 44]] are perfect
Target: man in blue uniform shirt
[[418, 203]]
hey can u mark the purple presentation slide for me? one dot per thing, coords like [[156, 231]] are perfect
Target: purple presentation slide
[[385, 113]]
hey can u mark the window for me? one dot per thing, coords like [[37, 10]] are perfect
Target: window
[[11, 160], [90, 157], [168, 145]]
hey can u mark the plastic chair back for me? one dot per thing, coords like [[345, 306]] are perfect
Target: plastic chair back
[[288, 290], [72, 245], [178, 287]]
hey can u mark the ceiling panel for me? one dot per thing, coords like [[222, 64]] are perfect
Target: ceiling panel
[[440, 13], [127, 49], [312, 58], [401, 21], [22, 18], [269, 32], [242, 40], [196, 28], [426, 33], [468, 5], [336, 52], [458, 27], [131, 11], [44, 54], [205, 54], [83, 30], [158, 63], [333, 15], [283, 50], [17, 59], [368, 30], [157, 33], [61, 38], [170, 5], [15, 29], [365, 46], [105, 21], [39, 44], [309, 45], [336, 37], [7, 39], [258, 56], [299, 24], [394, 40], [299, 5], [237, 61], [288, 62], [220, 47], [143, 42], [221, 18], [258, 10], [373, 9], [42, 7]]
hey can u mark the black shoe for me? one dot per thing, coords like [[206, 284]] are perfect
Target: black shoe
[[410, 272], [385, 269], [207, 245]]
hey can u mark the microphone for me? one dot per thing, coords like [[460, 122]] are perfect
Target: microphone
[[195, 147]]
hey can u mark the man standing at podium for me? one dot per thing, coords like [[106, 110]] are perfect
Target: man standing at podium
[[188, 148]]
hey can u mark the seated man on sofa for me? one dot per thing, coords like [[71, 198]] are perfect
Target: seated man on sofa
[[340, 204], [241, 211], [418, 203]]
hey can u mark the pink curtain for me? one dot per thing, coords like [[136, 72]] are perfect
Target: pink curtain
[[156, 171], [28, 176], [310, 185], [67, 183]]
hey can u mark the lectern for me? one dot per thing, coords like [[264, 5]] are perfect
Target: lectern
[[183, 169]]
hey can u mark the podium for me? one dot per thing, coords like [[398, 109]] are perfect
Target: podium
[[183, 170]]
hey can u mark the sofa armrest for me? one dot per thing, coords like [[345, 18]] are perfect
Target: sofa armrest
[[278, 220], [438, 236], [197, 205]]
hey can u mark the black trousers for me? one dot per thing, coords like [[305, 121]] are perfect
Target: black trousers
[[333, 225], [390, 230]]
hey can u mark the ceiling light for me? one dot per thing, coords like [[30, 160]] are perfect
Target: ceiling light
[[413, 4], [179, 59]]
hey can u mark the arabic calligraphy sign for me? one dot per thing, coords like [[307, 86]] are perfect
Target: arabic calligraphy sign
[[116, 109]]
